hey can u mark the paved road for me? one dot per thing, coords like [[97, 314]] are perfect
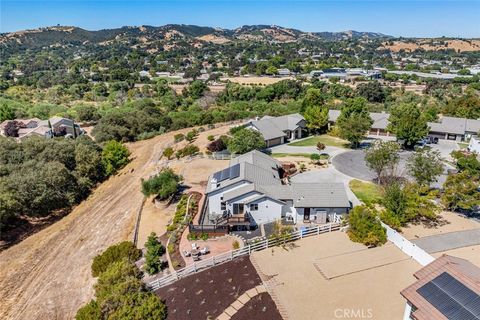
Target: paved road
[[327, 175], [449, 241]]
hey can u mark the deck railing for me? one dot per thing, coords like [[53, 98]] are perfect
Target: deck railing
[[246, 250]]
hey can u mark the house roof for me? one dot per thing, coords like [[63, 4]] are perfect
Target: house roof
[[260, 172], [445, 124], [447, 288], [311, 195], [274, 127]]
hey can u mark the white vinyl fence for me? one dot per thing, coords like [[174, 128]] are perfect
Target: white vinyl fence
[[409, 248], [247, 250]]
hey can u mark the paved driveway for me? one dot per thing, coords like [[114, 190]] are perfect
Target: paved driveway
[[449, 241], [352, 163], [329, 174]]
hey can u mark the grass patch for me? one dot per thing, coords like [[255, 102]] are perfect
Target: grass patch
[[324, 138], [462, 145], [282, 155], [367, 192]]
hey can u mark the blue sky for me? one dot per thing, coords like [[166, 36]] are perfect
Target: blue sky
[[395, 17]]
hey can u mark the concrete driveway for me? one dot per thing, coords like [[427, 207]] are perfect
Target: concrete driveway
[[329, 174], [352, 163], [449, 241]]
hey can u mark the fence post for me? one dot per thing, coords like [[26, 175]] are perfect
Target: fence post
[[318, 229], [231, 255], [266, 242], [194, 267], [330, 227], [249, 249]]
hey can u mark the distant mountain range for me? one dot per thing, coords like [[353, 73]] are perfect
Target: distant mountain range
[[72, 35]]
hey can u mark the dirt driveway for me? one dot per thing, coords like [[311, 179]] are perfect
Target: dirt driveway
[[47, 276]]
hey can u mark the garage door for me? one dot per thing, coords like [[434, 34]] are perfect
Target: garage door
[[274, 142]]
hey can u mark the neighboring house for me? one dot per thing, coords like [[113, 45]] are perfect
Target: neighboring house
[[448, 128], [58, 127], [253, 190], [447, 288], [284, 72], [278, 130]]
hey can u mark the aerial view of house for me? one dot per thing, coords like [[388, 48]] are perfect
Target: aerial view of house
[[53, 127], [254, 189], [278, 130]]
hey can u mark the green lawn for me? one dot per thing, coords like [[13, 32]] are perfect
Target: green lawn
[[306, 155], [462, 145], [367, 192], [324, 138]]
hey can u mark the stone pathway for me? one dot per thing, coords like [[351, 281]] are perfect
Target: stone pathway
[[241, 301]]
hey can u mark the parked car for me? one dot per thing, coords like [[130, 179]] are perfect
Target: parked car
[[431, 140]]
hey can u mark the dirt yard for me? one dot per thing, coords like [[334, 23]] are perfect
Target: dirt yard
[[455, 44], [448, 222], [331, 276], [47, 276]]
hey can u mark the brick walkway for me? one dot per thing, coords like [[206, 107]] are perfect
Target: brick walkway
[[241, 301]]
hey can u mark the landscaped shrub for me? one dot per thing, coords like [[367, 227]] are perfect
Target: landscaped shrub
[[187, 151], [178, 137], [235, 245], [216, 146], [191, 136], [163, 185], [155, 250], [365, 227], [210, 138], [123, 250]]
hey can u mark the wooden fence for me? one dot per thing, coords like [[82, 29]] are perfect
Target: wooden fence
[[247, 250]]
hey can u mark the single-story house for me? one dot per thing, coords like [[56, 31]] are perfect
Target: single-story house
[[447, 288], [55, 126], [278, 130], [448, 128], [254, 190]]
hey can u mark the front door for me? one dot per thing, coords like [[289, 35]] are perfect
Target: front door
[[306, 214]]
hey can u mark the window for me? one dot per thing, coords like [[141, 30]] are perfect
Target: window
[[253, 206], [223, 206]]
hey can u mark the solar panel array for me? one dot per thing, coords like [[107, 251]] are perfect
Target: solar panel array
[[452, 298], [228, 173]]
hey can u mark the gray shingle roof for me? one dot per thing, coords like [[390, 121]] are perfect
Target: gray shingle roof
[[445, 124], [274, 127]]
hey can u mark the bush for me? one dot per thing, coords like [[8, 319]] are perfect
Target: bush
[[235, 245], [245, 140], [114, 156], [210, 138], [163, 185], [217, 145], [121, 294], [123, 250], [155, 250], [189, 150], [191, 136], [168, 153], [178, 137], [365, 227]]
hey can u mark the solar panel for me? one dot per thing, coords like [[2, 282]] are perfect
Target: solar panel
[[235, 171], [452, 298]]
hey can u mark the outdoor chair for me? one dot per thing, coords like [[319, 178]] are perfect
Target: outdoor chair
[[196, 258], [187, 253], [194, 246], [205, 250]]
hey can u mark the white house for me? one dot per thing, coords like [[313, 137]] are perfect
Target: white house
[[253, 191], [278, 130], [474, 145]]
